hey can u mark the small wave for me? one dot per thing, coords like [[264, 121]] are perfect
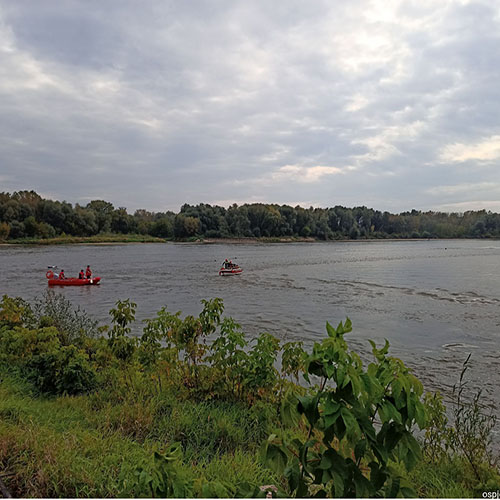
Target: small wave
[[459, 345], [442, 294]]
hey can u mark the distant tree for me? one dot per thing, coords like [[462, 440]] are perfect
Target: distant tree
[[16, 230], [191, 225], [30, 198], [162, 228], [103, 211], [237, 222], [30, 226], [4, 231], [185, 226], [122, 222], [11, 211]]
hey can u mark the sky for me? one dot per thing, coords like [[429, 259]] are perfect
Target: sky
[[151, 104]]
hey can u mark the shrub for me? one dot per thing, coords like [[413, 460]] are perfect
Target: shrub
[[359, 425], [13, 311], [465, 439], [51, 366], [160, 476], [65, 370], [53, 309], [121, 344]]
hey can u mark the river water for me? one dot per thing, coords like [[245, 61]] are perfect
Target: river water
[[435, 301]]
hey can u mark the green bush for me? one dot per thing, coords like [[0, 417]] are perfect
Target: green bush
[[359, 425], [64, 370], [122, 345], [52, 367], [53, 309]]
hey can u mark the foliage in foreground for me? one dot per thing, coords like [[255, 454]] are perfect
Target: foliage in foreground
[[359, 425], [183, 409]]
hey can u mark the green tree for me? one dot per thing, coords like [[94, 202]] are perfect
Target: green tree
[[103, 212], [4, 231]]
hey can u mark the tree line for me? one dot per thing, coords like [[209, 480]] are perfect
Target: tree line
[[25, 214]]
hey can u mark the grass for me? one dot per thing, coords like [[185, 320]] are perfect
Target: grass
[[77, 447], [442, 480], [143, 429], [99, 238]]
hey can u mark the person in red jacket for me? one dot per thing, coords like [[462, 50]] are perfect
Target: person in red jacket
[[61, 275], [81, 275], [88, 273]]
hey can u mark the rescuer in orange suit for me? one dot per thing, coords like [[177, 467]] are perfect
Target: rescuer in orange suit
[[88, 273]]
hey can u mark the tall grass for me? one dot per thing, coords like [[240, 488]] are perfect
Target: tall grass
[[99, 238], [65, 447]]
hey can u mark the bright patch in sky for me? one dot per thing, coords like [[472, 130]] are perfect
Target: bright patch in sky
[[485, 150]]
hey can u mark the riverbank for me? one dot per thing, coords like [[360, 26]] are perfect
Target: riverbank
[[100, 239], [263, 240], [88, 416], [109, 239]]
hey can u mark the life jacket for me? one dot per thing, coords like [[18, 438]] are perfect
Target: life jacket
[[88, 273]]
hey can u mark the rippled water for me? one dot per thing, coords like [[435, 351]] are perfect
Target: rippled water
[[436, 301]]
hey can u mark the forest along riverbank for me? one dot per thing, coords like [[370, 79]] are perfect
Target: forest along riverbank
[[436, 301]]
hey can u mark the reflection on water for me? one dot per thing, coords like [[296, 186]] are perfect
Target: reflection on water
[[436, 301]]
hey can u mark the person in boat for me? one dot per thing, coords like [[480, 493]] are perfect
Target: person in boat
[[81, 275], [61, 275], [226, 264], [88, 273]]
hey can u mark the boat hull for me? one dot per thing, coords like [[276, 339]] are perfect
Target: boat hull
[[230, 272], [74, 282]]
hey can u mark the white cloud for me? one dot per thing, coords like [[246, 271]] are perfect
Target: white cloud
[[464, 206], [385, 144], [483, 151], [463, 188], [357, 102], [303, 174]]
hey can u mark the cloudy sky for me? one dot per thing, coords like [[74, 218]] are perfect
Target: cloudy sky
[[154, 103]]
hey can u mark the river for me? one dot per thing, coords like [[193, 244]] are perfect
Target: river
[[435, 301]]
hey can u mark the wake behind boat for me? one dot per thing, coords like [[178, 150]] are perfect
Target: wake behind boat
[[228, 268]]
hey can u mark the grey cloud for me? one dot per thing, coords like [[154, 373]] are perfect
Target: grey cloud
[[154, 104]]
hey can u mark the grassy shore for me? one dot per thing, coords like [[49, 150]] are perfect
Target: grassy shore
[[83, 446], [110, 238], [97, 239], [170, 414]]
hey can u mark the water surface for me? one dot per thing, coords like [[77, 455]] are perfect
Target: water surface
[[435, 301]]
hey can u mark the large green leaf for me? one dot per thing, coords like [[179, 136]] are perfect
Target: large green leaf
[[308, 405]]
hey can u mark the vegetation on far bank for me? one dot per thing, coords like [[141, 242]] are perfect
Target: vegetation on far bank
[[25, 217], [191, 408], [64, 239]]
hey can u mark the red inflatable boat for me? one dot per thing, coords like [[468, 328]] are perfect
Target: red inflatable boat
[[54, 280], [73, 281], [228, 268]]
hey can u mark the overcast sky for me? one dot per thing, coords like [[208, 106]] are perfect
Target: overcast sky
[[151, 104]]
